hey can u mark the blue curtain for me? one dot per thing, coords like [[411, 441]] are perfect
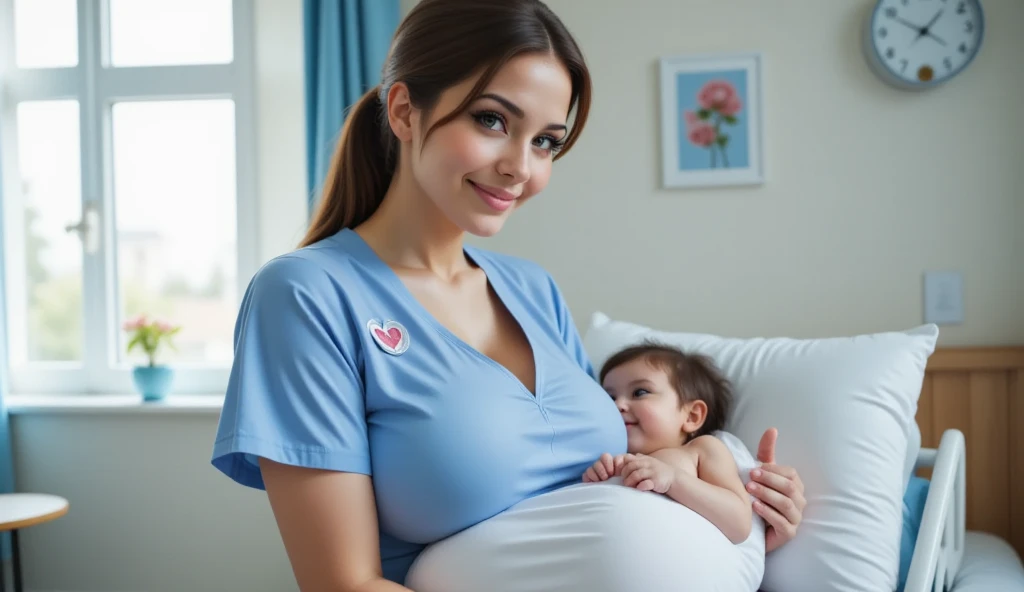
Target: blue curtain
[[346, 42], [6, 454]]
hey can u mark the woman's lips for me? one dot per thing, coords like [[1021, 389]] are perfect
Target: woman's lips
[[498, 199]]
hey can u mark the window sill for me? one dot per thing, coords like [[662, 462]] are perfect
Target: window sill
[[112, 404]]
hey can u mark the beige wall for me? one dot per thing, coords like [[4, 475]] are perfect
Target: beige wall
[[867, 187], [148, 512]]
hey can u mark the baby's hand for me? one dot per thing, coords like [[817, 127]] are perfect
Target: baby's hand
[[605, 468], [647, 473]]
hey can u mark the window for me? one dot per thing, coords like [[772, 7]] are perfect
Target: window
[[126, 132]]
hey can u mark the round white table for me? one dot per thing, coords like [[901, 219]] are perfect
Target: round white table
[[21, 510]]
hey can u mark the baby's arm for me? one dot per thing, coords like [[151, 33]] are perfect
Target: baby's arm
[[717, 492]]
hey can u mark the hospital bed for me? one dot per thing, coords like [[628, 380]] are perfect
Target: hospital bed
[[947, 556]]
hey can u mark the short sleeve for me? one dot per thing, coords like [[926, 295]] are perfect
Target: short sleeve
[[570, 334], [294, 394]]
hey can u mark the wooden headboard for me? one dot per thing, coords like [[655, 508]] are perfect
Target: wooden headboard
[[980, 391]]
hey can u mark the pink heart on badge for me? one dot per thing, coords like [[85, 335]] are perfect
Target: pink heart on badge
[[391, 336]]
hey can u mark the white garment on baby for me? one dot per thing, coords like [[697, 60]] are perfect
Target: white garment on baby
[[597, 537]]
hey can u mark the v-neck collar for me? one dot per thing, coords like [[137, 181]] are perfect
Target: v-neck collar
[[373, 260]]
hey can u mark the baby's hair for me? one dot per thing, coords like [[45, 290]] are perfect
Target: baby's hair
[[694, 376]]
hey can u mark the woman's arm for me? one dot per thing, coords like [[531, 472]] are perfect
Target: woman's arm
[[779, 492], [328, 522]]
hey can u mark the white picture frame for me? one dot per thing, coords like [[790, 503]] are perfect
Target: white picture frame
[[705, 98]]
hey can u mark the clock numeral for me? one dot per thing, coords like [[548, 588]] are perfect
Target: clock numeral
[[963, 48], [890, 12], [903, 65], [883, 32], [968, 27], [961, 8], [948, 63], [890, 53]]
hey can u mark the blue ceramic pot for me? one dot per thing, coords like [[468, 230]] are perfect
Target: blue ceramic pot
[[153, 382]]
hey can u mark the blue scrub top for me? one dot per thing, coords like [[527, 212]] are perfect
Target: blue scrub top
[[449, 436]]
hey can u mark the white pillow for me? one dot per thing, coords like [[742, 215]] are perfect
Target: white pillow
[[843, 407], [596, 537]]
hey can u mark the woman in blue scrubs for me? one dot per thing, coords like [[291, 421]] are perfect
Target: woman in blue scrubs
[[392, 385]]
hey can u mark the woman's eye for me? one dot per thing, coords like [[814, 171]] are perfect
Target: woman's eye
[[549, 143], [491, 121]]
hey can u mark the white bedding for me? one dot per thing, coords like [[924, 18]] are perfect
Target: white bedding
[[598, 537]]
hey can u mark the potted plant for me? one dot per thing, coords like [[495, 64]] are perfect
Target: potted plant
[[154, 380]]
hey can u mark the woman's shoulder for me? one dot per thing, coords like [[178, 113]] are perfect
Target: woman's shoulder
[[520, 272], [536, 290], [324, 267]]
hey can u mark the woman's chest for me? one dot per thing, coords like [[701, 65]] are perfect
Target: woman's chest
[[455, 437], [470, 310]]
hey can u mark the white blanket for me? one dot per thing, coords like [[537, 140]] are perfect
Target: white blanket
[[596, 537]]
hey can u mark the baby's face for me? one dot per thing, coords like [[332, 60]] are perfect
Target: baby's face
[[649, 406]]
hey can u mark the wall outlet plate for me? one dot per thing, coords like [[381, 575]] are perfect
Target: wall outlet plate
[[944, 297]]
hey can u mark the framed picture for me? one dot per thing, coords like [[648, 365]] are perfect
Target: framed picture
[[711, 120]]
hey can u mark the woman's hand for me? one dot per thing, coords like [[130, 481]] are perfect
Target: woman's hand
[[647, 473], [779, 492]]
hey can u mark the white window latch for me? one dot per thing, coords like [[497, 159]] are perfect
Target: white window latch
[[88, 228]]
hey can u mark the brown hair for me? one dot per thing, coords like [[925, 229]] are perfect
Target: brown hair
[[694, 376], [439, 44]]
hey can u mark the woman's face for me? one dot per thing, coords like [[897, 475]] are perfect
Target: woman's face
[[497, 154]]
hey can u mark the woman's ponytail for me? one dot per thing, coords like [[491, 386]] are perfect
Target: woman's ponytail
[[361, 169]]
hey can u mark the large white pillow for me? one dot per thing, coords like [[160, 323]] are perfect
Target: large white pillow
[[596, 537], [843, 407]]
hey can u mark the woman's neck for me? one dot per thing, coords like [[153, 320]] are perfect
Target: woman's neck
[[409, 231]]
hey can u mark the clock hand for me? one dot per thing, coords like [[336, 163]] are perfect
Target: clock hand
[[926, 30], [909, 24]]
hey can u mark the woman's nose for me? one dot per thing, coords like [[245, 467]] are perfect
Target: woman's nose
[[515, 163]]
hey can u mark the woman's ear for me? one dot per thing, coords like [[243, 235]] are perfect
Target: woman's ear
[[400, 111], [694, 415]]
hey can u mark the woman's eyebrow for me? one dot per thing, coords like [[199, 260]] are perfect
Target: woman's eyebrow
[[515, 110]]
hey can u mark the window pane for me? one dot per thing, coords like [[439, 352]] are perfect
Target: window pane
[[174, 192], [49, 165], [46, 33], [170, 32]]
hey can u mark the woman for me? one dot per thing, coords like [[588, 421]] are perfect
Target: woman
[[393, 386]]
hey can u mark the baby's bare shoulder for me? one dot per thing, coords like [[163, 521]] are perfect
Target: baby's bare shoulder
[[678, 455], [707, 446]]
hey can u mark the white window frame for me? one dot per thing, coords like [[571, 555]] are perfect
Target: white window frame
[[97, 86]]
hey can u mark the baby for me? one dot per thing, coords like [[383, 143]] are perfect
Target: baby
[[673, 403]]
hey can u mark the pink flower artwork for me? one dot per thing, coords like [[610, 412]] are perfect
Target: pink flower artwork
[[718, 105]]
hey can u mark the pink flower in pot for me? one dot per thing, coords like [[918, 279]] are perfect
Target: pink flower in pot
[[152, 380]]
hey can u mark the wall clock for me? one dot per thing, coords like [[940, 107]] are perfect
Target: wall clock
[[920, 44]]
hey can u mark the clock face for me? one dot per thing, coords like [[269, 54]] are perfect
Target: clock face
[[921, 43]]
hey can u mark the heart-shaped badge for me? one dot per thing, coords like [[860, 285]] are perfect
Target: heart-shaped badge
[[391, 336]]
